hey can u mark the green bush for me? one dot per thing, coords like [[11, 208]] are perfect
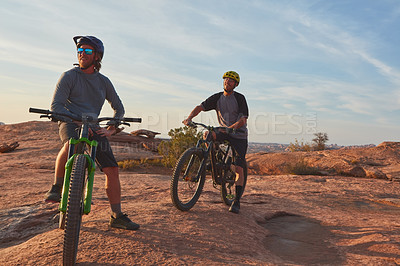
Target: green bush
[[181, 139]]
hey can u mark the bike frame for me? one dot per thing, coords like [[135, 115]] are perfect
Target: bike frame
[[189, 174], [78, 193], [209, 153], [78, 146]]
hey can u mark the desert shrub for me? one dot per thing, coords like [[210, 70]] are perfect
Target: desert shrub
[[181, 139], [301, 167], [319, 141], [299, 146]]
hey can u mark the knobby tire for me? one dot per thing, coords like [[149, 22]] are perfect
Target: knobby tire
[[73, 216], [186, 191]]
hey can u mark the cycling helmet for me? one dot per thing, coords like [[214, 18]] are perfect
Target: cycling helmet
[[92, 41], [232, 75]]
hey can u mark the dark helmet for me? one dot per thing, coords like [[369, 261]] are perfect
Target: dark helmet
[[92, 41]]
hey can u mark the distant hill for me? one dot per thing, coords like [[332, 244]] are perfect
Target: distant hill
[[255, 147], [381, 161]]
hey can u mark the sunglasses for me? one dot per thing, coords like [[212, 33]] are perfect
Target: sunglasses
[[87, 51]]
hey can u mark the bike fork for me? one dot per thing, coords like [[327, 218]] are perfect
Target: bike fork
[[189, 166], [91, 167]]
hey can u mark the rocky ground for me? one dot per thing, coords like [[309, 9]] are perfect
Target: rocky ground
[[348, 214]]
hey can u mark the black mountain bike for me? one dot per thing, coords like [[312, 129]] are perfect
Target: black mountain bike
[[76, 195], [190, 170]]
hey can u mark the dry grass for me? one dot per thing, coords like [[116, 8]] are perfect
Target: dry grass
[[130, 164], [301, 167]]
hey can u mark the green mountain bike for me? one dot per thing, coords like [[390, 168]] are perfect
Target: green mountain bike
[[76, 195], [189, 174]]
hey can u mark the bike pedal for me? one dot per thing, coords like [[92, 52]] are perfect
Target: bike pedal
[[190, 179]]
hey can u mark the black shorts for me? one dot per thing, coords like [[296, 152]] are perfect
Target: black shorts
[[104, 154], [239, 146]]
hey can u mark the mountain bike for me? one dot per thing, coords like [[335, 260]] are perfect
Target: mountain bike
[[77, 190], [189, 174]]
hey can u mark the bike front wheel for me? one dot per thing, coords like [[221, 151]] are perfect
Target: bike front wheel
[[228, 191], [73, 216], [188, 179]]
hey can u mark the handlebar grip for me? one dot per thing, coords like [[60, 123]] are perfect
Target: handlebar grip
[[136, 120], [192, 124], [39, 111]]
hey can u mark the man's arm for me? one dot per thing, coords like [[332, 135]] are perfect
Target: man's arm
[[61, 96], [241, 122], [193, 114], [113, 98]]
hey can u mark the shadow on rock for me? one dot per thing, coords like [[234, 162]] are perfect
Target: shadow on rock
[[22, 223], [299, 239]]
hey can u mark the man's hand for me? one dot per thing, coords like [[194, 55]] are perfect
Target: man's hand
[[193, 114], [187, 121], [106, 132]]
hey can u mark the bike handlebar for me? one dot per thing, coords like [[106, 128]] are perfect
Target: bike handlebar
[[211, 128], [39, 111], [49, 114], [131, 119]]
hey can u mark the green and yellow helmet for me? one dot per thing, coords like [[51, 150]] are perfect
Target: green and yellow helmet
[[232, 75]]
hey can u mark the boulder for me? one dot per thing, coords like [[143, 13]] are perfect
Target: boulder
[[378, 174], [357, 171], [8, 147], [144, 132]]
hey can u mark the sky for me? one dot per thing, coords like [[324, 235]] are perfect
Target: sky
[[306, 66]]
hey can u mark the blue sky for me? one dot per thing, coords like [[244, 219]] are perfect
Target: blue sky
[[305, 66]]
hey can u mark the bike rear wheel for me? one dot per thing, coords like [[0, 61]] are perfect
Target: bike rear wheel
[[73, 215], [187, 181], [228, 191]]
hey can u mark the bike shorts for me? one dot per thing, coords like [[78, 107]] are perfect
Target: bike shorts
[[104, 155], [239, 146]]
